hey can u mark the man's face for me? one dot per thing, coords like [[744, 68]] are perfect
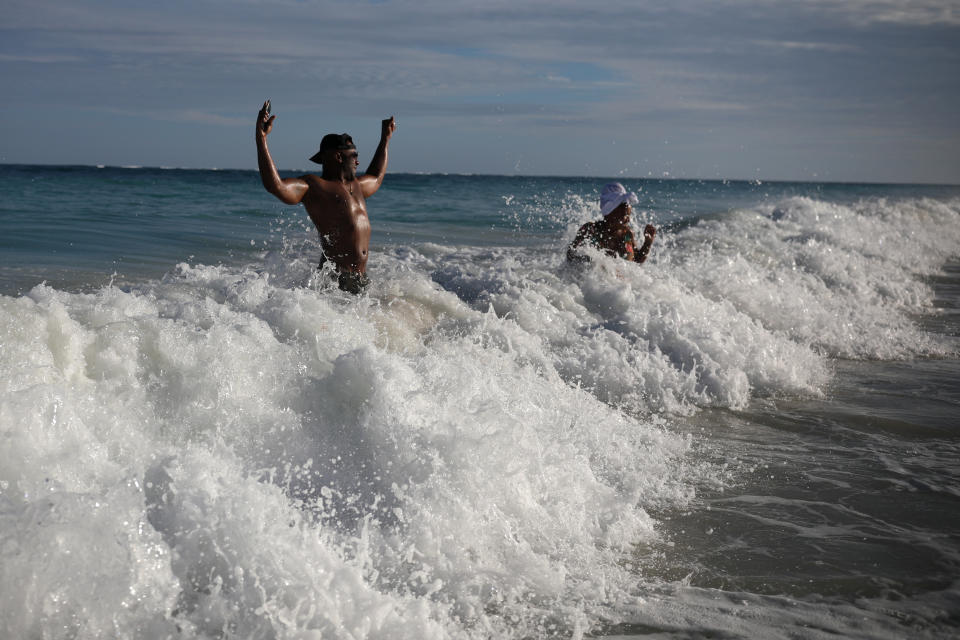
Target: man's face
[[349, 160]]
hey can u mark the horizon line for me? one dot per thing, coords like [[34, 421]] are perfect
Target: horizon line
[[499, 175]]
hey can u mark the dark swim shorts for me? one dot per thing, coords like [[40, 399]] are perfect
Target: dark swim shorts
[[352, 282], [349, 281]]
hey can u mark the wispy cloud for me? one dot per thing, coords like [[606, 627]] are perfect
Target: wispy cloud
[[920, 13], [826, 47], [39, 58]]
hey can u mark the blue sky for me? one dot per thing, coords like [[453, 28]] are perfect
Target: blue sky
[[858, 90]]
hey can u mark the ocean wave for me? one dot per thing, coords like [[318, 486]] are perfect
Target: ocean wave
[[473, 449], [215, 452]]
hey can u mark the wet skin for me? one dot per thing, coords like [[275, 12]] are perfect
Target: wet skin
[[334, 200], [612, 234]]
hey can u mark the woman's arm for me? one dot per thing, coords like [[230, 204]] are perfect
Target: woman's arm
[[640, 255]]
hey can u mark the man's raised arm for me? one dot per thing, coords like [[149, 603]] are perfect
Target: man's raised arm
[[289, 191], [378, 165]]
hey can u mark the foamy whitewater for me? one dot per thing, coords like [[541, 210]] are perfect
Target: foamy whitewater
[[752, 435]]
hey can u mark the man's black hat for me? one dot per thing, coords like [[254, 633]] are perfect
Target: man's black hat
[[332, 142]]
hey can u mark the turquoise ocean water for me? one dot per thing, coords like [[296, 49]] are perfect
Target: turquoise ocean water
[[753, 435]]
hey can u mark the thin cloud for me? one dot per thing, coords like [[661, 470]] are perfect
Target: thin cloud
[[193, 116], [40, 59], [917, 13], [827, 47]]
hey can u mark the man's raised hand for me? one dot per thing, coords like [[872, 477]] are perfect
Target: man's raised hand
[[387, 127], [264, 119]]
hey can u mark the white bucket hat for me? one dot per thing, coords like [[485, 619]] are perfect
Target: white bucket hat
[[613, 195]]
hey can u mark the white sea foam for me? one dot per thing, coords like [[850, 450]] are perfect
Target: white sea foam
[[751, 302], [216, 453], [471, 450], [845, 280]]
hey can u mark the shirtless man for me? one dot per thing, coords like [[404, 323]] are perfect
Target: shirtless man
[[335, 200], [612, 233]]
